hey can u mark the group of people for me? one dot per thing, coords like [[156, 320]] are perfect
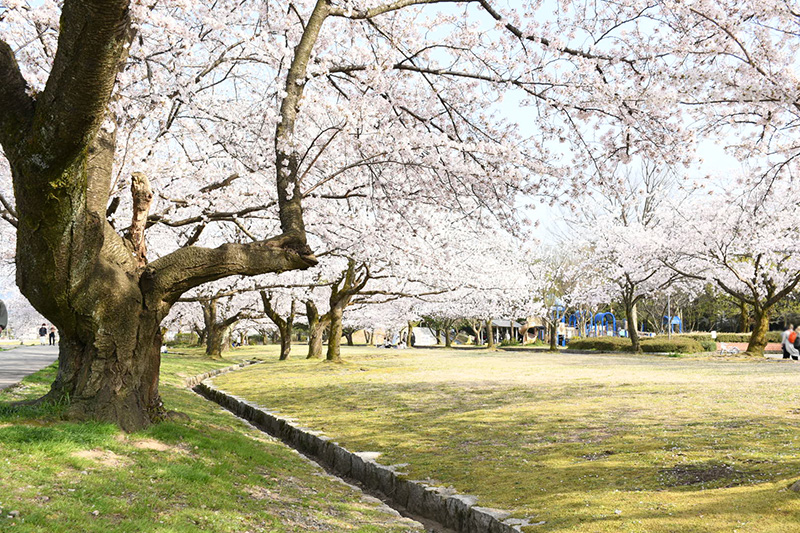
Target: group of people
[[790, 343], [43, 334]]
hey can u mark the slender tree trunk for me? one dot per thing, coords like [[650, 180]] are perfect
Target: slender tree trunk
[[368, 334], [409, 341], [477, 328], [489, 334], [633, 331], [758, 339]]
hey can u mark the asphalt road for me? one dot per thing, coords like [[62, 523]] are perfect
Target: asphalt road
[[20, 361]]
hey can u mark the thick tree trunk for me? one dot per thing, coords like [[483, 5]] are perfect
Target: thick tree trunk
[[111, 373], [215, 341], [335, 335], [286, 341], [315, 341], [348, 335], [489, 334], [553, 328], [758, 339], [72, 265]]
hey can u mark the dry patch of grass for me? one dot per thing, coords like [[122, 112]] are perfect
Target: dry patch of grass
[[585, 443], [103, 457]]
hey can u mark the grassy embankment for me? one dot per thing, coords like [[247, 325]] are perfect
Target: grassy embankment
[[585, 443], [212, 473]]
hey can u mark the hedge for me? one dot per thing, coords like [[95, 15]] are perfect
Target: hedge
[[772, 336], [603, 344], [648, 344], [674, 345]]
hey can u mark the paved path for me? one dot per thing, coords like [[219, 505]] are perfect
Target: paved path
[[20, 361]]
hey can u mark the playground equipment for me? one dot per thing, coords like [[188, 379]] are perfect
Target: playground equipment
[[673, 323], [557, 315], [578, 317], [601, 324]]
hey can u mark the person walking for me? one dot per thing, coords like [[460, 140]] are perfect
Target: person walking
[[784, 337], [52, 335], [42, 334], [794, 338]]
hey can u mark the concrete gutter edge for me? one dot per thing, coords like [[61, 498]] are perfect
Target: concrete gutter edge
[[444, 506]]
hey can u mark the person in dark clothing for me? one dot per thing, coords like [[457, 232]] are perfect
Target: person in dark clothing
[[42, 334], [3, 316], [52, 335]]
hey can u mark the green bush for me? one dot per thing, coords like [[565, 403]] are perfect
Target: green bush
[[603, 344], [510, 342], [699, 337], [183, 339], [709, 345], [676, 344], [662, 344], [772, 336]]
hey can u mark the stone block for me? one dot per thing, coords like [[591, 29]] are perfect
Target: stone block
[[386, 480], [357, 468], [342, 461]]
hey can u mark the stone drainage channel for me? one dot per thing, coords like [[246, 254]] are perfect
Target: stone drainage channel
[[414, 499]]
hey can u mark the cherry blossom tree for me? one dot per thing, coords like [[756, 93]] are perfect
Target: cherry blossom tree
[[742, 241]]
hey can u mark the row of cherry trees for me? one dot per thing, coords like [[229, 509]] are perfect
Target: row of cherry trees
[[153, 149]]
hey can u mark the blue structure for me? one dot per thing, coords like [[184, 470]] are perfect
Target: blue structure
[[675, 321], [604, 319], [557, 314], [575, 322]]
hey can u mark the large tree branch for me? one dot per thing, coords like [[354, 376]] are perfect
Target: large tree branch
[[170, 276], [16, 106], [387, 8], [91, 42]]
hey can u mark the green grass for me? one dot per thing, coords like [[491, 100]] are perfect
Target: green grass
[[586, 443], [213, 473]]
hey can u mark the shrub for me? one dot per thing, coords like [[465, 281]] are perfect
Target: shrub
[[183, 339], [709, 345], [603, 344], [677, 344], [772, 336], [510, 342], [699, 337]]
